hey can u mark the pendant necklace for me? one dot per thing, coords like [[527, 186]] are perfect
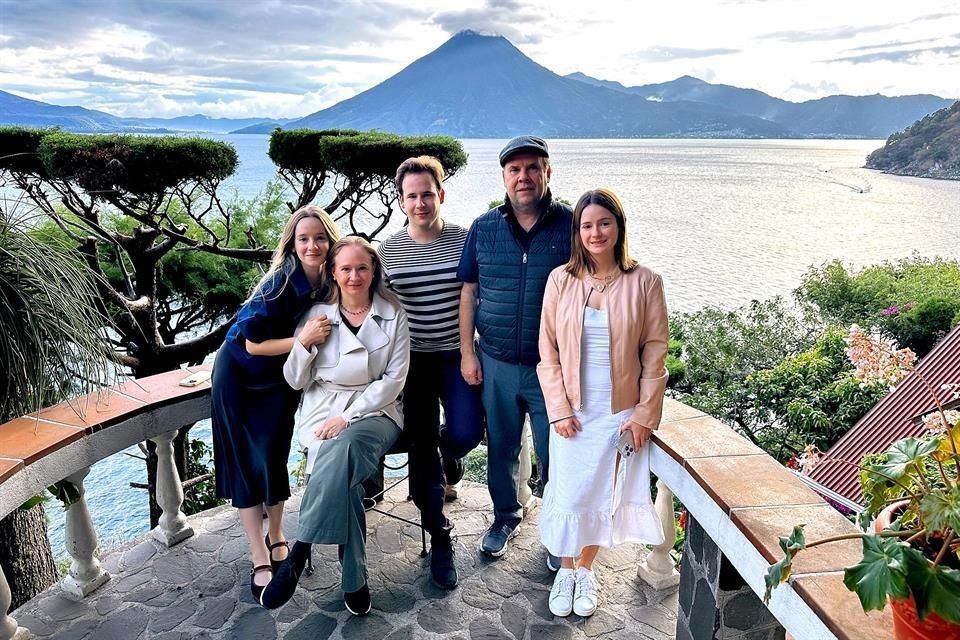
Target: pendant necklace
[[602, 283]]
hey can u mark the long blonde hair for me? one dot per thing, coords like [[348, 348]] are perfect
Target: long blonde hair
[[285, 258], [581, 262], [378, 285]]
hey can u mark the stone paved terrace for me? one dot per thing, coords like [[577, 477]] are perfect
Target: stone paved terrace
[[200, 589]]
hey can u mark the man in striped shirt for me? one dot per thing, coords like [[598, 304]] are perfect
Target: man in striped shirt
[[420, 262]]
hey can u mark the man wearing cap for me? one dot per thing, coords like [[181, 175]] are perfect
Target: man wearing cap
[[509, 253]]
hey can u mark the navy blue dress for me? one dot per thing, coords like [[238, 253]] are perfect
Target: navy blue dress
[[252, 406]]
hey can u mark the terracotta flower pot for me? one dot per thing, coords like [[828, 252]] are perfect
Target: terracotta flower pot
[[906, 624]]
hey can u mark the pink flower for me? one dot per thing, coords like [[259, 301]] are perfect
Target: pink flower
[[891, 311], [876, 359], [809, 459]]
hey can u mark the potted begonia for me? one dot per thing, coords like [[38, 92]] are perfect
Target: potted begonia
[[911, 552]]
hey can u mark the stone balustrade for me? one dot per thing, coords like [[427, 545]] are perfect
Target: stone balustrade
[[739, 500]]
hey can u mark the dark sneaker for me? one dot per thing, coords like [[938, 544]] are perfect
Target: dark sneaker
[[443, 570], [494, 541], [358, 602], [553, 562]]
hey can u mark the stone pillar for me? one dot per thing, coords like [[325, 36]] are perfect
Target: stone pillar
[[714, 601], [526, 469], [85, 575], [173, 527], [8, 626], [657, 569]]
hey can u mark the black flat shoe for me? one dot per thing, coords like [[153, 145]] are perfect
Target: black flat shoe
[[276, 545], [257, 589], [279, 591], [358, 602]]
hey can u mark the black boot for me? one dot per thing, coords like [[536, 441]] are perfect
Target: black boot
[[279, 590], [358, 602], [443, 569]]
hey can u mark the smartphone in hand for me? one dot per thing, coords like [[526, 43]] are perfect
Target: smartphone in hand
[[625, 444]]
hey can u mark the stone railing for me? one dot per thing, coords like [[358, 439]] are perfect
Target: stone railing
[[63, 441], [739, 500]]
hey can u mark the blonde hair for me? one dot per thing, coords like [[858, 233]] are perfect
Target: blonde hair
[[420, 164], [581, 262], [285, 258], [378, 285]]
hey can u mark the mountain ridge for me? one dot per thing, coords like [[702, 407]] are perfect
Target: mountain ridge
[[929, 148]]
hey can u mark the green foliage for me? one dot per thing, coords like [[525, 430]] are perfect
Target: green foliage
[[722, 349], [915, 300], [50, 346], [19, 150], [879, 574], [201, 495], [780, 571], [353, 153], [812, 396], [475, 466], [102, 164]]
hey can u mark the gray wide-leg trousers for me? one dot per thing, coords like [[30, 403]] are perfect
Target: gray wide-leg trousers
[[331, 511]]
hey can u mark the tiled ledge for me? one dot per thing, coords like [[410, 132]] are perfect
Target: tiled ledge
[[47, 446], [745, 501]]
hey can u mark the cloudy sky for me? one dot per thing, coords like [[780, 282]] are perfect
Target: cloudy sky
[[242, 58]]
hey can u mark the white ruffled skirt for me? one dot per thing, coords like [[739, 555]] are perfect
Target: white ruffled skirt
[[590, 499]]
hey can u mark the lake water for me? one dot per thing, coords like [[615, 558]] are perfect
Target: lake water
[[724, 222]]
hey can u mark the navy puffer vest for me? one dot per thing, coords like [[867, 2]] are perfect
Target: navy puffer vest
[[512, 281]]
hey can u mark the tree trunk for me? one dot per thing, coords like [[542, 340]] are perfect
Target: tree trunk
[[25, 554]]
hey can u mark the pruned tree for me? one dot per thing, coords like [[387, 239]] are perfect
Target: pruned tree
[[352, 172]]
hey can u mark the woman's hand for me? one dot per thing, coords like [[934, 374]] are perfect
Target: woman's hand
[[331, 428], [567, 427], [315, 331], [640, 433]]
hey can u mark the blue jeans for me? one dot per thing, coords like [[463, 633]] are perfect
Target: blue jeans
[[511, 391], [434, 379]]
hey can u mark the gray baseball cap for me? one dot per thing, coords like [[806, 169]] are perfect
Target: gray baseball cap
[[524, 144]]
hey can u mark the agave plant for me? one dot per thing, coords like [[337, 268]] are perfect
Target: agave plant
[[918, 555], [52, 345]]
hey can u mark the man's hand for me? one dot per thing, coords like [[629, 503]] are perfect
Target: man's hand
[[331, 428], [315, 331], [640, 433], [470, 368], [567, 427]]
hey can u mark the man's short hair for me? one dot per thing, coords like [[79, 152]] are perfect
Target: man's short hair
[[420, 164]]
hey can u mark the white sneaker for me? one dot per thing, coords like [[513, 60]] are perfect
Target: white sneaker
[[586, 593], [561, 595]]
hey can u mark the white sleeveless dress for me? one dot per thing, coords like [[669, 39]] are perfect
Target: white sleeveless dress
[[588, 500]]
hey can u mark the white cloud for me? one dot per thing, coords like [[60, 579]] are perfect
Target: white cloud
[[270, 58]]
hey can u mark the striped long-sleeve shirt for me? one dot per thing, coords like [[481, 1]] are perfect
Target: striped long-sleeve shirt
[[424, 277]]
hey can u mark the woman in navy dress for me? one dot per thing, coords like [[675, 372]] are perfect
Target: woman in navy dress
[[253, 407]]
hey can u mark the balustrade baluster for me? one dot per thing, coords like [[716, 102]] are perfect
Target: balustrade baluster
[[8, 626], [86, 575], [657, 569], [173, 527], [524, 494]]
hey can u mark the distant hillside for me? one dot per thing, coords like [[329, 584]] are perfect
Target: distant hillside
[[930, 148], [31, 113], [202, 123], [839, 116], [15, 110], [482, 86]]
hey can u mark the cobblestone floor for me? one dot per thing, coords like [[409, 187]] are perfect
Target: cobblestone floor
[[200, 589]]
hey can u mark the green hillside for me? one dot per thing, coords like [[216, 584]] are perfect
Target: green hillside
[[929, 148]]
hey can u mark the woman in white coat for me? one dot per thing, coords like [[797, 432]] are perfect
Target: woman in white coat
[[350, 415]]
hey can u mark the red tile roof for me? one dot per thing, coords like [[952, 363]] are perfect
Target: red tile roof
[[892, 418]]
